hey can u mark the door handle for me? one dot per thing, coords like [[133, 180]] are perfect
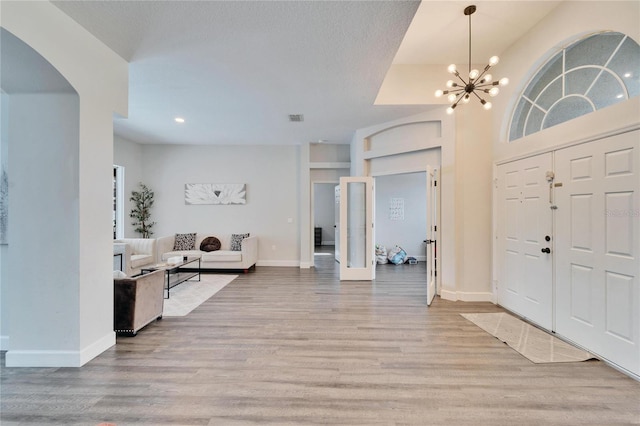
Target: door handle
[[546, 250]]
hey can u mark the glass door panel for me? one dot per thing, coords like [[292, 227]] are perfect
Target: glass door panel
[[356, 237]]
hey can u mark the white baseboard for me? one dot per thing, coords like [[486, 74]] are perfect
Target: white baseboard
[[283, 263], [448, 295], [4, 343], [475, 296], [97, 347], [305, 265], [44, 358], [466, 296]]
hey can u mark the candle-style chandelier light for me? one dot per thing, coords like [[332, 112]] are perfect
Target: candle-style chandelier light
[[477, 81]]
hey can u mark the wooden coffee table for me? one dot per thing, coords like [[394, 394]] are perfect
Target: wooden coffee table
[[176, 274]]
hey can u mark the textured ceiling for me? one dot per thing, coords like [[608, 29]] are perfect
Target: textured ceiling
[[439, 33], [235, 70]]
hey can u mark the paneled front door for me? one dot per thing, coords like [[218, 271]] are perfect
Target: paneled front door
[[598, 247], [525, 280]]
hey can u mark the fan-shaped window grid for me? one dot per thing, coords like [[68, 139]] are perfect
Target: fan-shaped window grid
[[592, 73]]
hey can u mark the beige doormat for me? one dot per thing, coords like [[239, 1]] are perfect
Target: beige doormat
[[531, 342]]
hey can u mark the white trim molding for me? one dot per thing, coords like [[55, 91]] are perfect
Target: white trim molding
[[4, 343], [466, 296], [44, 358], [280, 263]]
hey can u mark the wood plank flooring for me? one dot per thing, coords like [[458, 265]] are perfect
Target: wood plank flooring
[[298, 347]]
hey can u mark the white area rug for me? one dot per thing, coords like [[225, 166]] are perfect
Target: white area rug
[[533, 343], [189, 295]]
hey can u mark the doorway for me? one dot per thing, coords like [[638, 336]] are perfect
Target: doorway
[[324, 220], [568, 244], [118, 202], [401, 212]]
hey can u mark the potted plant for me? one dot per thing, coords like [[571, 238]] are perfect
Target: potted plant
[[141, 211]]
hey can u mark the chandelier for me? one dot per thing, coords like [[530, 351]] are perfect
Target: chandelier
[[478, 82]]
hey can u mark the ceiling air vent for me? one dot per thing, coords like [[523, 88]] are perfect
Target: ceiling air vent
[[296, 117]]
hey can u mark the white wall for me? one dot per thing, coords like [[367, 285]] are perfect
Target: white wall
[[473, 202], [410, 232], [324, 210], [270, 176], [128, 155], [4, 288], [327, 153], [100, 78], [50, 184]]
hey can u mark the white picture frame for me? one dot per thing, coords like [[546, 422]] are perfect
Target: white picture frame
[[215, 193]]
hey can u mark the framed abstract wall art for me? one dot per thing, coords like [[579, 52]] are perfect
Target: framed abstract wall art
[[214, 193]]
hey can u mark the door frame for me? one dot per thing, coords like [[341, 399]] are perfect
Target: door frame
[[119, 200], [313, 212], [438, 233]]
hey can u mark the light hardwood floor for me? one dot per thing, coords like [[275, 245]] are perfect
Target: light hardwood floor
[[298, 347]]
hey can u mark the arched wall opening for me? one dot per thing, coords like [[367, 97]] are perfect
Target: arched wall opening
[[58, 282], [40, 156]]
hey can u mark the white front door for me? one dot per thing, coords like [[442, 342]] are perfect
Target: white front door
[[432, 231], [598, 247], [524, 228], [356, 234]]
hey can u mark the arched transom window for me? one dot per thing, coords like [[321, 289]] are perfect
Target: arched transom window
[[592, 73]]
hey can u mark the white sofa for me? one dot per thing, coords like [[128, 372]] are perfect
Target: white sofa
[[137, 253], [224, 258]]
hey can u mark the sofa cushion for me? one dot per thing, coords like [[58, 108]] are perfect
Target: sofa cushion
[[138, 260], [236, 241], [222, 256], [185, 242], [210, 244], [142, 245], [189, 253]]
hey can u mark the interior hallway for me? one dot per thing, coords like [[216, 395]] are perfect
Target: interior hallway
[[297, 346]]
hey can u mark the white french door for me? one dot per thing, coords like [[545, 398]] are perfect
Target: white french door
[[524, 225], [432, 232], [336, 226], [598, 247], [356, 229]]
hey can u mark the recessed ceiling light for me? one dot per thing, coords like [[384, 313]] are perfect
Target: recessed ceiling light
[[627, 75], [620, 96], [179, 120]]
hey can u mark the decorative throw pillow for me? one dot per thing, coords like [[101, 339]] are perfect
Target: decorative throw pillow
[[236, 241], [210, 244], [185, 242]]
